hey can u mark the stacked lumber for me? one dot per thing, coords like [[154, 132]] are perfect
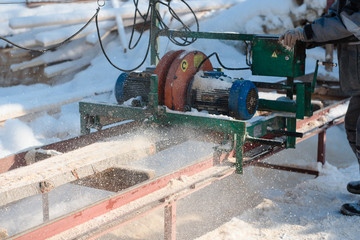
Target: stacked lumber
[[42, 27]]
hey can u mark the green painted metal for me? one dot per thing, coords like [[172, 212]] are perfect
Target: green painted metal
[[290, 92], [239, 143], [112, 110], [275, 86], [303, 100], [264, 125], [216, 124], [91, 113], [291, 127], [271, 58], [84, 127], [315, 76], [300, 101], [277, 105], [208, 35], [153, 95], [308, 106]]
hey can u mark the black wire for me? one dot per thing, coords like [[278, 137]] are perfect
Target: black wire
[[57, 45], [134, 24], [218, 59], [162, 25], [104, 52], [185, 41]]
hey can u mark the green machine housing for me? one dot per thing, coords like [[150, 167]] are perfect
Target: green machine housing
[[271, 58]]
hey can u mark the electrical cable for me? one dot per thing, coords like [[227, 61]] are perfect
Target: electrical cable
[[181, 41], [108, 59], [57, 45], [222, 65], [145, 17]]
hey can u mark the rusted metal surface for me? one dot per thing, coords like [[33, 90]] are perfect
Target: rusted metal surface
[[318, 114], [321, 147], [286, 168], [181, 71], [170, 221], [161, 71]]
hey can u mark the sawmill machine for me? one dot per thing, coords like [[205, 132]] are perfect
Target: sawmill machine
[[172, 88]]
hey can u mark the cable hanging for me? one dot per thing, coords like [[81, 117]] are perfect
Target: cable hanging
[[180, 41], [222, 65], [57, 45], [162, 25]]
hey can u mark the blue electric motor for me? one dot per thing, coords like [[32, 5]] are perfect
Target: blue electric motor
[[133, 85], [219, 94], [210, 91]]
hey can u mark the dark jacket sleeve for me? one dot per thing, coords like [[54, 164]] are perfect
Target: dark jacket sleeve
[[337, 26]]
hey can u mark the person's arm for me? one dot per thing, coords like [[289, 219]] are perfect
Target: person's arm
[[331, 28], [325, 29]]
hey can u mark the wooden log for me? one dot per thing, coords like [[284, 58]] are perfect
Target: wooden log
[[66, 18], [72, 51], [66, 67], [72, 66], [18, 111], [59, 35], [15, 111], [93, 38], [46, 175], [125, 11]]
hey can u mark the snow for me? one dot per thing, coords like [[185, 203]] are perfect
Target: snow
[[308, 209]]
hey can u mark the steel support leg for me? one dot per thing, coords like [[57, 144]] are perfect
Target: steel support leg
[[239, 143], [321, 147], [84, 119], [170, 221], [45, 206]]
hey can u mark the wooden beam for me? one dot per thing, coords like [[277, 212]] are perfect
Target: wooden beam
[[46, 175]]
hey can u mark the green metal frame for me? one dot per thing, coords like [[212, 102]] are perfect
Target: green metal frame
[[238, 131], [158, 114]]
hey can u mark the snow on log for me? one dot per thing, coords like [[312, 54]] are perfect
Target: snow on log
[[73, 50], [66, 67], [57, 36], [93, 38], [12, 111], [66, 18]]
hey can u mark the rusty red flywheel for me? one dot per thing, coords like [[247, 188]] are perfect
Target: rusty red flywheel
[[179, 75], [162, 69]]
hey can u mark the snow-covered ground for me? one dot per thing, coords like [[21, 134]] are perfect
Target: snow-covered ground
[[286, 206]]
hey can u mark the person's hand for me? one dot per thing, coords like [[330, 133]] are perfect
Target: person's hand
[[290, 37]]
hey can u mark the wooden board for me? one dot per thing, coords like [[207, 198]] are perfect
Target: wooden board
[[46, 175]]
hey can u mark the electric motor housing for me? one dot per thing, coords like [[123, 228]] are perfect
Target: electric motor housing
[[219, 94], [133, 85], [243, 99], [209, 91]]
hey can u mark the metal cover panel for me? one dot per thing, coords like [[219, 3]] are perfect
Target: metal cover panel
[[271, 58]]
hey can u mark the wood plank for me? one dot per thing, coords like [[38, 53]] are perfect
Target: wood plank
[[18, 160], [46, 175]]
